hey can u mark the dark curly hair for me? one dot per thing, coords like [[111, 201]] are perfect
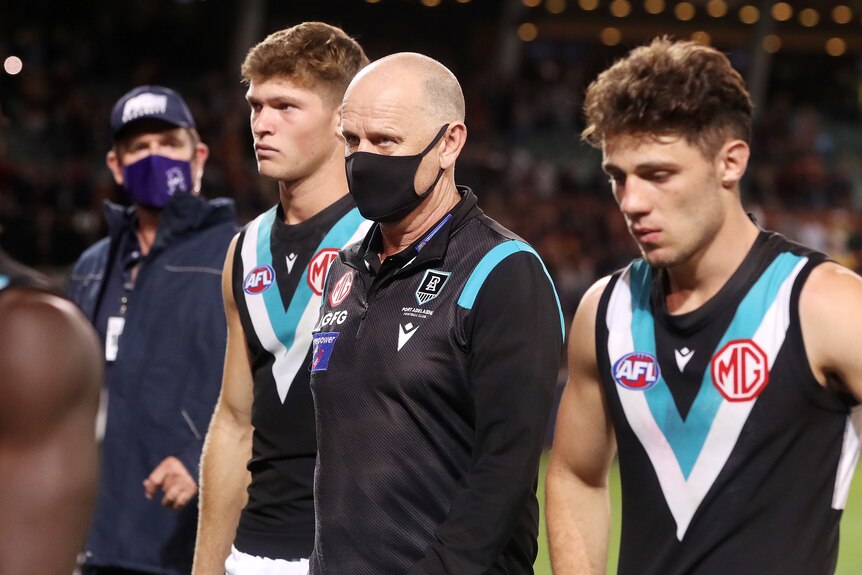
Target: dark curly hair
[[670, 87], [312, 54]]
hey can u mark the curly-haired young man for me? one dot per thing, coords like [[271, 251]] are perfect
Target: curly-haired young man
[[720, 365]]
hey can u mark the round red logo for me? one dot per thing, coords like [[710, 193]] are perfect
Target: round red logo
[[341, 289], [740, 370], [318, 267], [258, 280], [638, 371]]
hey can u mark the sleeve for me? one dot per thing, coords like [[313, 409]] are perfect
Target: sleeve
[[515, 337]]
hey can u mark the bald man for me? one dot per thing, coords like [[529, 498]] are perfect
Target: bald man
[[435, 354]]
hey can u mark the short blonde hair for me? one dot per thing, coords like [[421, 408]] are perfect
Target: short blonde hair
[[315, 55]]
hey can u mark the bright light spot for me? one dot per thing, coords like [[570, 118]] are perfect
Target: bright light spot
[[611, 36], [531, 3], [701, 38], [716, 8], [809, 17], [835, 46], [555, 6], [684, 11], [771, 43], [13, 65], [749, 14], [527, 32], [782, 11], [430, 3], [842, 14], [654, 6], [620, 8], [588, 5]]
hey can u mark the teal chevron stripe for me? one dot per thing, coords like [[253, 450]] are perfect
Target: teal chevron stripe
[[284, 319], [686, 436]]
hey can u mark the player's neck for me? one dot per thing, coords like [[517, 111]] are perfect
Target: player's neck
[[697, 280], [304, 198], [399, 235]]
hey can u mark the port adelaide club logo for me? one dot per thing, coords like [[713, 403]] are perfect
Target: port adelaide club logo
[[431, 285]]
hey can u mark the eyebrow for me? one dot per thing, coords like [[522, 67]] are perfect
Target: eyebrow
[[608, 167]]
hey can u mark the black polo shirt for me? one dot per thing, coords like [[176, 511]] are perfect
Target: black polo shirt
[[433, 375]]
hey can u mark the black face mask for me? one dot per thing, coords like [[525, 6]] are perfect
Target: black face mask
[[382, 186]]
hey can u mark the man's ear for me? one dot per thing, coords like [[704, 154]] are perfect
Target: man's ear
[[452, 143], [199, 160], [113, 163], [732, 162]]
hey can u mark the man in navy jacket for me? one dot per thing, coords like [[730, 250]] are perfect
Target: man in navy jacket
[[152, 291]]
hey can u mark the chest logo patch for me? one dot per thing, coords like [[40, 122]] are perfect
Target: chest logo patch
[[322, 344], [740, 370], [341, 289], [637, 371], [318, 267], [431, 285], [291, 259], [258, 280], [405, 332], [683, 356]]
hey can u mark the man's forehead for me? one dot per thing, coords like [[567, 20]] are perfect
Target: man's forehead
[[389, 102], [642, 144], [278, 85]]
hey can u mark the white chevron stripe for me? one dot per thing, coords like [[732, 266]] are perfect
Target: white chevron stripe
[[685, 496], [287, 362], [849, 458]]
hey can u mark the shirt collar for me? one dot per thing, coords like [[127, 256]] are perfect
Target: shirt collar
[[431, 246]]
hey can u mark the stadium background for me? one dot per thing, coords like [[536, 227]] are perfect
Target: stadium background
[[524, 65]]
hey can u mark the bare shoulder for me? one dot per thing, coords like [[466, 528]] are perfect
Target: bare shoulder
[[831, 292], [585, 316], [830, 302], [49, 355]]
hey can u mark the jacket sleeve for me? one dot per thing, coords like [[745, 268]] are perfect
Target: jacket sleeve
[[515, 339]]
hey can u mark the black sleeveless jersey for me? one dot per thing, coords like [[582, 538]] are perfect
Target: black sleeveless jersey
[[733, 458], [278, 274], [15, 275]]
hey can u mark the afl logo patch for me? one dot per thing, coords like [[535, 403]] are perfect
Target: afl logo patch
[[341, 289], [637, 371], [258, 280], [322, 344], [740, 370], [318, 267]]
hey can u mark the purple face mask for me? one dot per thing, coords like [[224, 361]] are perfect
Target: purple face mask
[[151, 181]]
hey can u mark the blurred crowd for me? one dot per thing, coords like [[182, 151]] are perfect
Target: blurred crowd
[[523, 158]]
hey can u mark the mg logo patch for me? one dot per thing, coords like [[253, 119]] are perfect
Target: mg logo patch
[[341, 289], [637, 371], [740, 370], [317, 268], [321, 350], [258, 280], [431, 285]]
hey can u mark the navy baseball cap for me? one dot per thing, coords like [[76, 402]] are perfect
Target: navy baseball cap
[[150, 103]]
